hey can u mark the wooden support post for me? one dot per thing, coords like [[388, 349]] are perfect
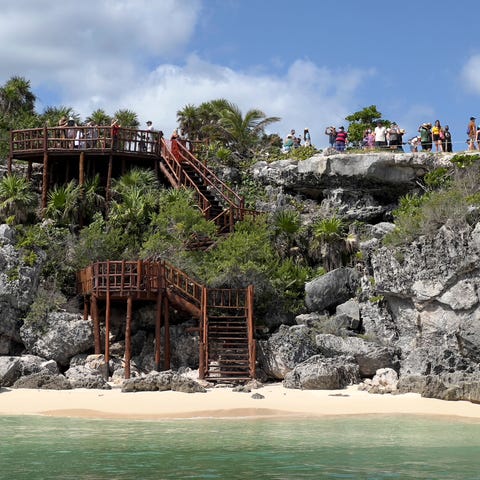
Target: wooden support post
[[81, 169], [203, 336], [109, 180], [29, 170], [166, 347], [45, 181], [158, 329], [251, 329], [128, 337], [96, 325], [85, 308], [107, 318], [10, 155]]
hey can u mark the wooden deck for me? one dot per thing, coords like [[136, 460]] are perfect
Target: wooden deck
[[225, 316], [68, 153]]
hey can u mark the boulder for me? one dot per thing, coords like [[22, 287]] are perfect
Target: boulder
[[369, 356], [86, 377], [152, 382], [331, 289], [43, 380], [384, 381], [10, 370], [285, 349], [320, 373], [59, 337]]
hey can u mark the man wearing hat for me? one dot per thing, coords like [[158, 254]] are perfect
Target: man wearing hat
[[472, 133], [149, 136]]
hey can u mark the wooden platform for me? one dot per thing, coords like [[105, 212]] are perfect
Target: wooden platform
[[225, 316]]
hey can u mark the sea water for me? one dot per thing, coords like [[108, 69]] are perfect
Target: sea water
[[368, 447]]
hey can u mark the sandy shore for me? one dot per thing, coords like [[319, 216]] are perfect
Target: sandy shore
[[222, 402]]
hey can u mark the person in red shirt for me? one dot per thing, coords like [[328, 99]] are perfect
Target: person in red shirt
[[341, 140]]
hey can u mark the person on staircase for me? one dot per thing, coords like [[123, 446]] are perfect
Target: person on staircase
[[174, 139]]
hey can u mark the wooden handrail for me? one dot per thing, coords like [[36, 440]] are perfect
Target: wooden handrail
[[84, 138]]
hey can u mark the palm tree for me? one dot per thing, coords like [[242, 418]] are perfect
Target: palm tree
[[16, 97], [63, 204], [127, 118], [142, 179], [51, 115], [286, 225], [99, 117], [16, 198], [90, 200], [331, 243], [243, 132], [189, 121]]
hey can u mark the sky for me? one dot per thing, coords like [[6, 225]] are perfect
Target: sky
[[309, 62]]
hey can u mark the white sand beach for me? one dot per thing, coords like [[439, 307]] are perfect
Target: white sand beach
[[222, 402]]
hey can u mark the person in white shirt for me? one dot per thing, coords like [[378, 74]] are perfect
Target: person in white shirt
[[380, 136]]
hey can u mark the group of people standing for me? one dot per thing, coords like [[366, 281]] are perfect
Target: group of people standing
[[432, 136], [294, 141]]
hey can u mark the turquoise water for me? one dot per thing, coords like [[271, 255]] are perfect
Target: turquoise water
[[370, 447]]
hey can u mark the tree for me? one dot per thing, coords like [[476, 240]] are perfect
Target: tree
[[16, 98], [127, 118], [52, 115], [189, 121], [361, 121], [63, 204], [331, 243], [16, 198], [99, 117], [242, 133]]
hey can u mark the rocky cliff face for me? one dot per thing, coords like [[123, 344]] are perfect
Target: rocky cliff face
[[418, 307], [414, 310]]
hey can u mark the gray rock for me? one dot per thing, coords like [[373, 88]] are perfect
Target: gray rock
[[310, 319], [257, 396], [86, 377], [10, 370], [43, 380], [152, 382], [320, 373], [369, 356], [285, 349], [331, 289], [384, 381], [59, 337], [180, 383]]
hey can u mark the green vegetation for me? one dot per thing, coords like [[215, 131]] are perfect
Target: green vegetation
[[452, 194], [361, 121]]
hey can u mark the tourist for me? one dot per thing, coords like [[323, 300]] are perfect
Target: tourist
[[306, 138], [472, 133], [392, 136], [414, 142], [332, 135], [437, 134], [380, 135], [115, 126], [71, 132], [288, 143], [369, 139], [447, 139], [425, 136], [341, 139], [174, 145], [149, 136]]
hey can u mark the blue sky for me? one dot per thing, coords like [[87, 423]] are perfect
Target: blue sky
[[309, 62]]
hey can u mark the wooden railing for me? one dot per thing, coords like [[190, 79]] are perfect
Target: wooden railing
[[232, 203], [83, 138]]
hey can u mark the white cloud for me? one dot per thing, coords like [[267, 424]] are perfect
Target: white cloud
[[470, 74], [115, 54]]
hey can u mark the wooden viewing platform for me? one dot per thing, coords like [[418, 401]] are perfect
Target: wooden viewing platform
[[225, 316], [67, 153]]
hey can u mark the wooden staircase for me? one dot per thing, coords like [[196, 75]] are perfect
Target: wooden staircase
[[227, 347], [216, 200], [228, 335]]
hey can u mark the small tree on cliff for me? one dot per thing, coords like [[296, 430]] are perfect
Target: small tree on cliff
[[361, 120]]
